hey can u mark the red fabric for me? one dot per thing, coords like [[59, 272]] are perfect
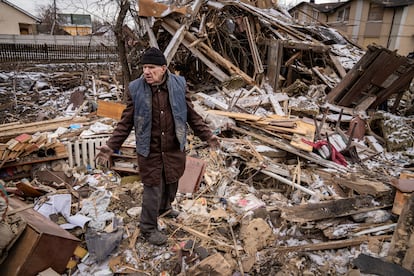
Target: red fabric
[[336, 156]]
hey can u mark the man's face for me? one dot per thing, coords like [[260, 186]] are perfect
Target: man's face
[[154, 74]]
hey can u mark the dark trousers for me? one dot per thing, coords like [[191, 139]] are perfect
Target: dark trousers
[[156, 200]]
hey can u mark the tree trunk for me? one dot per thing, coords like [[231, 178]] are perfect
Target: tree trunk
[[120, 39]]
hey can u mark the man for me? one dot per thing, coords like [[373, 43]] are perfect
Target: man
[[159, 109]]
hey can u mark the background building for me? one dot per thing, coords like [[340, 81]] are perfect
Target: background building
[[387, 23], [16, 21], [75, 24]]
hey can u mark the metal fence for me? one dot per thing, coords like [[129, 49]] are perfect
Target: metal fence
[[56, 53]]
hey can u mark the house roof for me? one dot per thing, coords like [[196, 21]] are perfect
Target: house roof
[[323, 7], [21, 10], [328, 7], [332, 7], [394, 3]]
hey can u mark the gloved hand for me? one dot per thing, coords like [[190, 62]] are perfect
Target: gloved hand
[[104, 154], [213, 142]]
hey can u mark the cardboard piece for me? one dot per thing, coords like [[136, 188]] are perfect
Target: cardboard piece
[[110, 109], [193, 174], [42, 245]]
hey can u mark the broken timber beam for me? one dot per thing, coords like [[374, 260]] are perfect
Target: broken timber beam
[[273, 71], [253, 47], [199, 235], [152, 39], [215, 70], [331, 209], [363, 186], [175, 43], [330, 244], [372, 77], [338, 65], [274, 141], [402, 244], [12, 131], [179, 35], [288, 182], [204, 48], [353, 74]]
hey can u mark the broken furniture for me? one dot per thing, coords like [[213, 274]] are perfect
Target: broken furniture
[[43, 244]]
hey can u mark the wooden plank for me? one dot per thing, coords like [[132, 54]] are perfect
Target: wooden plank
[[251, 101], [279, 143], [215, 70], [275, 53], [236, 115], [214, 102], [272, 55], [178, 37], [338, 65], [328, 245], [199, 235], [263, 14], [308, 133], [43, 126], [331, 209], [363, 186], [330, 82], [396, 87], [204, 48], [339, 230], [175, 42], [353, 74], [316, 47], [258, 66], [365, 104], [384, 61], [110, 109], [276, 106], [19, 126], [288, 182], [152, 39], [402, 244], [300, 127]]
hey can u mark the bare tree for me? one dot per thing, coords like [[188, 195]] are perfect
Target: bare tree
[[121, 42], [116, 13], [47, 14]]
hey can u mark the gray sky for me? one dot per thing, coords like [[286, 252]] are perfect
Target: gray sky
[[82, 5], [68, 6], [32, 5]]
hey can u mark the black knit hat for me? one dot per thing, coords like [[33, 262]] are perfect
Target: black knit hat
[[153, 56]]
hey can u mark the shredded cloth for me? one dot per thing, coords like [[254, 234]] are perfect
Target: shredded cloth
[[336, 156]]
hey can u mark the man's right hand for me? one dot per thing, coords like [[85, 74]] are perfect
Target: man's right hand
[[104, 155]]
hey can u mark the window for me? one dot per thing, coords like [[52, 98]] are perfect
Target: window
[[343, 14], [376, 12], [315, 15], [75, 19]]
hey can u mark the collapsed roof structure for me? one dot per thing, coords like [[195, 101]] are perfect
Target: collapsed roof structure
[[305, 182]]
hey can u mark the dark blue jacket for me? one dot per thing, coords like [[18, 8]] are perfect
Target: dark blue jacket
[[141, 96]]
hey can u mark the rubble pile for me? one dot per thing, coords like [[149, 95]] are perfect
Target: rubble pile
[[313, 177]]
